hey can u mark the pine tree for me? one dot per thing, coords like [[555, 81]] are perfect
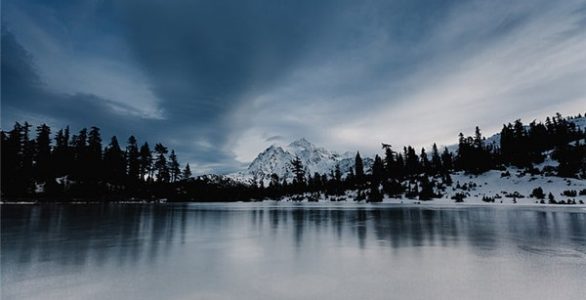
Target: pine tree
[[161, 163], [359, 168], [174, 170], [80, 168], [115, 163], [378, 170], [411, 161], [28, 153], [447, 160], [478, 142], [94, 155], [132, 160], [62, 156], [145, 162], [186, 172], [43, 153], [298, 170], [338, 173], [389, 162], [425, 164], [436, 161]]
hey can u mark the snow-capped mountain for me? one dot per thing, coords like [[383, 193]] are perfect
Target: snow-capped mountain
[[277, 160]]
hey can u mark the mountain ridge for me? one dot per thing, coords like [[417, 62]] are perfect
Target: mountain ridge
[[277, 159]]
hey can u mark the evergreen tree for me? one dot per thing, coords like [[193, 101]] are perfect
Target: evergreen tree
[[478, 141], [186, 172], [133, 160], [338, 174], [359, 167], [399, 166], [411, 161], [62, 156], [115, 163], [145, 162], [447, 160], [174, 169], [43, 153], [378, 170], [425, 164], [389, 162], [161, 163], [80, 170], [28, 153], [436, 161], [94, 155], [298, 170]]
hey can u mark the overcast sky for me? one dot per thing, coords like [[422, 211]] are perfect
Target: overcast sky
[[219, 81]]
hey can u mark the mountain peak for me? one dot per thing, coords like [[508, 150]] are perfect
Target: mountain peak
[[277, 160], [302, 142]]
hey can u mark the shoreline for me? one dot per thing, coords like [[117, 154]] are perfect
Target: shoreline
[[399, 203]]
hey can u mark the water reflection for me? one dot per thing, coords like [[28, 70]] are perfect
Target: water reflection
[[43, 241]]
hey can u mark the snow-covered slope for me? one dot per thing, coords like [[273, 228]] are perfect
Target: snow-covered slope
[[277, 160]]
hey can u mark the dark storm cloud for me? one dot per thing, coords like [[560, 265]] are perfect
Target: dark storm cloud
[[205, 57], [25, 98], [219, 80], [25, 95]]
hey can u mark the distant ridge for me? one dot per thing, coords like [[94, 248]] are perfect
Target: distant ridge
[[276, 160]]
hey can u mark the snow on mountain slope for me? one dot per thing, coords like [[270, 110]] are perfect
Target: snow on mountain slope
[[277, 160]]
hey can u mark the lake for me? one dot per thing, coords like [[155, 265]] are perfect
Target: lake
[[292, 251]]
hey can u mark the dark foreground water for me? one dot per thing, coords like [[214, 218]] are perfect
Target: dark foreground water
[[286, 251]]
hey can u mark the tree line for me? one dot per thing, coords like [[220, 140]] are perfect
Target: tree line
[[424, 176], [79, 166]]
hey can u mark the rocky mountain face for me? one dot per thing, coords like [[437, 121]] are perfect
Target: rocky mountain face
[[277, 160]]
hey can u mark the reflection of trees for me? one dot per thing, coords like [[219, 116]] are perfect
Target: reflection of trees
[[481, 228], [73, 234], [126, 234]]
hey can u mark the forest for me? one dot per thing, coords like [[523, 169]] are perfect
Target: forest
[[64, 167]]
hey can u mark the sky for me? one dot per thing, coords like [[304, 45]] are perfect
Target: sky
[[219, 81]]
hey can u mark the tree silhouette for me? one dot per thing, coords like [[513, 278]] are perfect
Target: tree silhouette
[[359, 168], [298, 170], [145, 162], [94, 158], [186, 172], [174, 169], [115, 163], [43, 154], [161, 163], [133, 166]]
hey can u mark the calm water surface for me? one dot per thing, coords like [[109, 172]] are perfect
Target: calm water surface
[[288, 251]]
